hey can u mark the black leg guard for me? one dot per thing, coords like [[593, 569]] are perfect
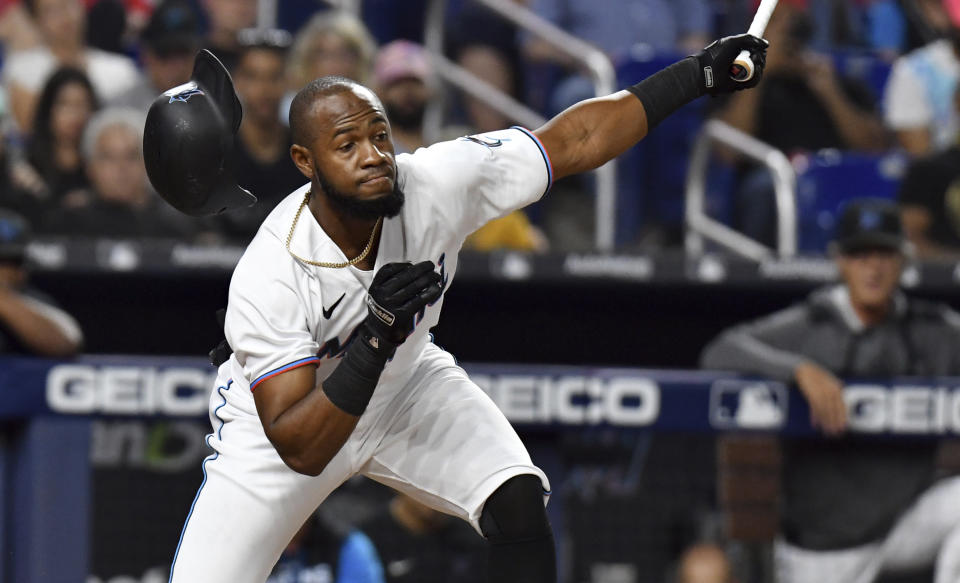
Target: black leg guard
[[521, 540]]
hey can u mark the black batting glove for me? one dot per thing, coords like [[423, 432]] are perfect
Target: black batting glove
[[398, 292], [715, 61]]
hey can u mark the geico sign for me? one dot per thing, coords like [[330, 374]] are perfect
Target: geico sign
[[128, 390], [575, 400], [903, 409]]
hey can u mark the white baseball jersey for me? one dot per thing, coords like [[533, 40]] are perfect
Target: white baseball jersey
[[428, 430], [283, 313]]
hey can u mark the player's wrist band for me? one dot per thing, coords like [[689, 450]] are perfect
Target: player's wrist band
[[666, 91], [350, 386]]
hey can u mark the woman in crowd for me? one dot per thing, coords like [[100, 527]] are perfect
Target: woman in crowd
[[62, 25], [331, 43], [65, 106]]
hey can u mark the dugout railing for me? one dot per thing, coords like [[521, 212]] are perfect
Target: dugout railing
[[700, 227], [593, 61], [76, 431]]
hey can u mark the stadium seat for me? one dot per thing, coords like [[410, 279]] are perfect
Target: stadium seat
[[826, 180], [864, 66], [652, 174]]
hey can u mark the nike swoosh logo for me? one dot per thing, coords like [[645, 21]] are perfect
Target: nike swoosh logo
[[485, 141], [329, 312]]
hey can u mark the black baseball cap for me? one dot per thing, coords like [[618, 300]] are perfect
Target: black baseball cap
[[14, 235], [265, 38], [173, 29], [869, 223]]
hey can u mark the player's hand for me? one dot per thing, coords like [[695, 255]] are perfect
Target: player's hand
[[824, 393], [715, 62], [398, 292]]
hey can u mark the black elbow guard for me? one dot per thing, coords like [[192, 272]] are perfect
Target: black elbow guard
[[668, 90]]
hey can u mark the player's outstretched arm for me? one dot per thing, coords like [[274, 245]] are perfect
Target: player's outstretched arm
[[307, 423], [594, 131]]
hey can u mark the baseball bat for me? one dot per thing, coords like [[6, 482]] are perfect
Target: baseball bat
[[742, 69]]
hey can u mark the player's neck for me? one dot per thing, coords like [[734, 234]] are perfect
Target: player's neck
[[350, 234]]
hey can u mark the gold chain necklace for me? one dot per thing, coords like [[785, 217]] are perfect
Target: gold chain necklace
[[354, 261]]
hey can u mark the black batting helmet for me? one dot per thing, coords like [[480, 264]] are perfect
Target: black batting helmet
[[188, 142]]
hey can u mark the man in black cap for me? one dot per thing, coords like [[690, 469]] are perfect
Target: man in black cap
[[30, 323], [853, 507], [167, 47]]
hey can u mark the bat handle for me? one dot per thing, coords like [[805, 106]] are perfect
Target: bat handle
[[742, 69]]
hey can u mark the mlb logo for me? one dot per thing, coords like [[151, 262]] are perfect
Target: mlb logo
[[741, 404]]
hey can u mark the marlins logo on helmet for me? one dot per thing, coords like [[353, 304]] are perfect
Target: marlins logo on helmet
[[186, 94]]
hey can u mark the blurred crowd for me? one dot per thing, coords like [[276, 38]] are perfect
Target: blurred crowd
[[79, 75]]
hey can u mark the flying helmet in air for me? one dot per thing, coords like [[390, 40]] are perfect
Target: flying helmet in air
[[188, 142]]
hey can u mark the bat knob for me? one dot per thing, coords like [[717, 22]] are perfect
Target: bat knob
[[742, 68]]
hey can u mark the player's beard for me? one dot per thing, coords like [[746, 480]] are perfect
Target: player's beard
[[387, 206]]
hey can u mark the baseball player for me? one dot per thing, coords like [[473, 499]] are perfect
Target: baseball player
[[332, 370]]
